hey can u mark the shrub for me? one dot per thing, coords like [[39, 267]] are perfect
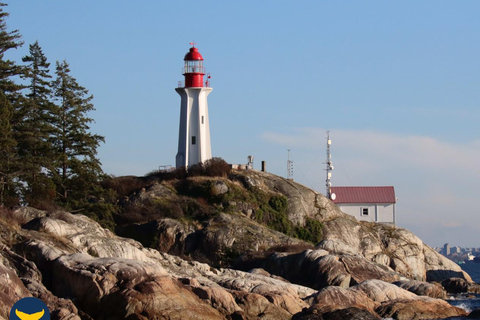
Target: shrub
[[151, 210], [311, 232], [216, 167], [278, 203], [124, 186], [194, 187], [197, 209], [103, 214]]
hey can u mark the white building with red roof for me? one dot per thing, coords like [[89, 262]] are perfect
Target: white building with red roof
[[375, 204]]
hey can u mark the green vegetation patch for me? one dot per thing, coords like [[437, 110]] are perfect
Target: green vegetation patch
[[312, 231]]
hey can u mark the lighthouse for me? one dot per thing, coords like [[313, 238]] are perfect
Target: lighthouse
[[194, 130]]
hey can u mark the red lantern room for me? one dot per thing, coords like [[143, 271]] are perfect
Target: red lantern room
[[193, 70]]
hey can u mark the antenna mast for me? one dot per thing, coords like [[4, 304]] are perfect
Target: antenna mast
[[289, 167], [329, 168]]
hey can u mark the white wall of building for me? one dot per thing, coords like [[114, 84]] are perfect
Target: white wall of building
[[384, 213]]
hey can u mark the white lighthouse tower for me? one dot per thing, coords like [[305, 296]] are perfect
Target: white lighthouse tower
[[194, 132]]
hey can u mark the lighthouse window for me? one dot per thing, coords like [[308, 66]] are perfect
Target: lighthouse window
[[193, 66], [202, 119], [194, 140]]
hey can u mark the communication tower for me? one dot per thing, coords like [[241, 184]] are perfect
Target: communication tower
[[289, 166], [329, 169]]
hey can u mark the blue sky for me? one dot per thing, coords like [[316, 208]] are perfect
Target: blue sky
[[395, 82]]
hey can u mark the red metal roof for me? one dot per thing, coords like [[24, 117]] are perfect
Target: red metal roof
[[364, 194], [193, 54]]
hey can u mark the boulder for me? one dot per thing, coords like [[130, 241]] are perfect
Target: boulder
[[287, 301], [361, 269], [303, 202], [118, 288], [11, 290], [20, 278], [380, 291], [333, 298], [433, 290], [219, 188], [351, 313], [218, 298], [388, 245], [318, 269], [111, 277], [256, 306], [473, 288], [455, 285], [166, 235], [420, 308]]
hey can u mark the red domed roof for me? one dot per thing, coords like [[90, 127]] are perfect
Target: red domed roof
[[193, 54]]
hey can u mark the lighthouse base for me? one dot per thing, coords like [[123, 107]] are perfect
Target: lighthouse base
[[194, 129]]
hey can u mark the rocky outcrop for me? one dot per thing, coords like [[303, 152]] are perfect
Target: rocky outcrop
[[226, 235], [219, 239], [421, 288], [84, 271], [303, 202], [380, 291], [335, 298], [108, 276], [397, 248], [459, 285], [420, 308], [319, 269], [391, 246], [119, 288], [21, 278], [378, 298], [350, 313]]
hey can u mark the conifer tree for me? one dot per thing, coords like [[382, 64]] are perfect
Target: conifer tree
[[9, 96], [77, 170], [34, 129], [8, 40]]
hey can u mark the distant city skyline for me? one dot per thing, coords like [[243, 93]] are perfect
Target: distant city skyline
[[396, 83]]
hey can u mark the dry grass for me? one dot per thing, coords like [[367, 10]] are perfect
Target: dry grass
[[10, 219]]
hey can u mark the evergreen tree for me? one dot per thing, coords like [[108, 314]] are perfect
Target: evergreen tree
[[8, 40], [9, 95], [77, 170], [8, 188], [34, 129]]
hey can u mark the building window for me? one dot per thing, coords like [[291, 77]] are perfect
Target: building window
[[194, 140], [364, 211], [202, 119]]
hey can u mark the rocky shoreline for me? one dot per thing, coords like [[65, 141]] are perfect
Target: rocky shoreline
[[83, 271]]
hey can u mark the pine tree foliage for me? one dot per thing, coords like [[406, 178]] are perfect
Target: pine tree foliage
[[9, 95], [8, 40], [76, 165], [47, 153], [34, 129], [8, 186]]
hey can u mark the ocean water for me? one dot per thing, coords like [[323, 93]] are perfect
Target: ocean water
[[473, 269]]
